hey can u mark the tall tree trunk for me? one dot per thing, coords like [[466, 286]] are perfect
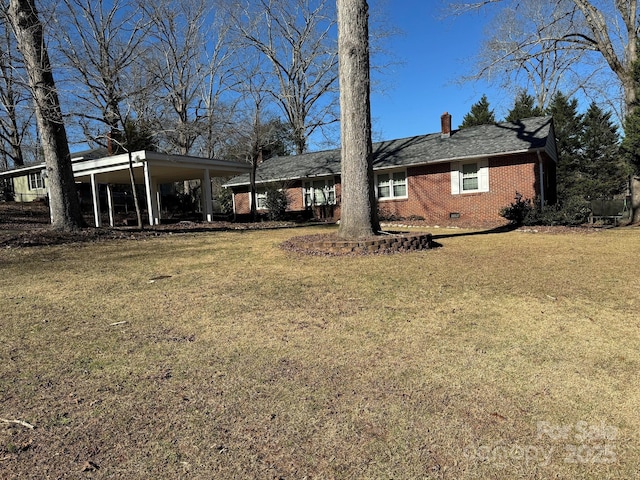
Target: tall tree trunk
[[358, 216], [253, 197], [635, 199], [63, 201]]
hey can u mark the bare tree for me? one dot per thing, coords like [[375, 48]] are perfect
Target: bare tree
[[218, 105], [63, 199], [102, 41], [177, 63], [579, 35], [15, 115], [522, 53], [602, 32], [358, 216], [295, 36], [258, 133]]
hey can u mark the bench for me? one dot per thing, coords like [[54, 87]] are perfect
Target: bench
[[608, 210]]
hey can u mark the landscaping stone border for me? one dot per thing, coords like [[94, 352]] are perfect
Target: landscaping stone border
[[383, 244]]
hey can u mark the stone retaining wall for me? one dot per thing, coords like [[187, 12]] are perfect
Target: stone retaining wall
[[384, 243]]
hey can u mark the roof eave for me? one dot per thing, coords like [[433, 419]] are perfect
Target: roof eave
[[283, 179], [21, 171]]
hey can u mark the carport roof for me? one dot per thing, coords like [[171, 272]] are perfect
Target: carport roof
[[166, 168]]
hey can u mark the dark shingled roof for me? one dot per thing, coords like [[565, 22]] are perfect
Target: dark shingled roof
[[531, 134]]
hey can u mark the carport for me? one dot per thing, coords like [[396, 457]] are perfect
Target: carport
[[151, 169]]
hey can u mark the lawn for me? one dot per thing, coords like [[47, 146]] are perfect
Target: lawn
[[219, 355]]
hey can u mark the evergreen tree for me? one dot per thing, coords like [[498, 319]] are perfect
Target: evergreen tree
[[524, 107], [630, 148], [631, 153], [480, 114], [137, 135], [568, 126], [601, 171]]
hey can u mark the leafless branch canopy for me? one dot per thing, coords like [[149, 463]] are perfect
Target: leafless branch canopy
[[560, 44]]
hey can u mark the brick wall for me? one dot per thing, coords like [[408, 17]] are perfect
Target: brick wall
[[429, 192]]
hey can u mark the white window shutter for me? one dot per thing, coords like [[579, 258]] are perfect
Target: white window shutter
[[455, 178], [483, 175]]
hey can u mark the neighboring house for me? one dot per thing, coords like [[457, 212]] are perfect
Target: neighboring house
[[100, 172], [459, 177], [30, 187], [29, 183]]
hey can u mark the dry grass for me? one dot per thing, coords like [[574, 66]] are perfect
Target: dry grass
[[490, 357]]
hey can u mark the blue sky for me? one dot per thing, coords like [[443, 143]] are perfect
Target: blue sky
[[435, 51]]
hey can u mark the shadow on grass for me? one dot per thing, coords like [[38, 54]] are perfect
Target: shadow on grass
[[500, 229], [222, 227]]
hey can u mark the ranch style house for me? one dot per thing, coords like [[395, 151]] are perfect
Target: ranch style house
[[452, 177]]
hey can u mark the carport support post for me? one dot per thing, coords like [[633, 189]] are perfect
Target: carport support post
[[96, 200], [110, 204], [151, 189], [207, 201]]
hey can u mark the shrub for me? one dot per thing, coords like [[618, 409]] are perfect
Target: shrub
[[573, 211], [385, 215], [518, 211], [6, 192], [225, 199], [276, 203]]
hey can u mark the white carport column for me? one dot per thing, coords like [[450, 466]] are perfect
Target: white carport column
[[207, 201], [151, 188], [110, 204], [95, 195]]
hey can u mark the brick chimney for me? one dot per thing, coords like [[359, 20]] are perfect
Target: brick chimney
[[445, 122]]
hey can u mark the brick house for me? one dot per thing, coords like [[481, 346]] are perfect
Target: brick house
[[461, 177]]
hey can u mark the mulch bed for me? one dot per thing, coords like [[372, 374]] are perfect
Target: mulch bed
[[27, 225], [16, 236]]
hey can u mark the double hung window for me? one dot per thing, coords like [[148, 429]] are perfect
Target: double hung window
[[469, 177], [319, 192], [391, 185], [36, 181]]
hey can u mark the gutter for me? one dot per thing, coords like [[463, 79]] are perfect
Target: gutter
[[541, 168]]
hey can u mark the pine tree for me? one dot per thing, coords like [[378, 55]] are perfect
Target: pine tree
[[568, 125], [631, 143], [137, 135], [480, 114], [601, 171], [523, 107]]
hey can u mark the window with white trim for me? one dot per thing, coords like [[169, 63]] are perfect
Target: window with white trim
[[390, 185], [319, 192], [469, 177], [261, 199], [36, 181]]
